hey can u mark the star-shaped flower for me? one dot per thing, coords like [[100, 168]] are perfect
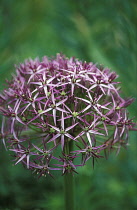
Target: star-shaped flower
[[62, 132]]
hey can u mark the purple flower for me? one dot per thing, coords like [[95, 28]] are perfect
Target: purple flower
[[51, 104]]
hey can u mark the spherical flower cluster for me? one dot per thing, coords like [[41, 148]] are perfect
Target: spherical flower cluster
[[60, 112]]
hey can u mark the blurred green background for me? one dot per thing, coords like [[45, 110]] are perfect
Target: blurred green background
[[100, 31]]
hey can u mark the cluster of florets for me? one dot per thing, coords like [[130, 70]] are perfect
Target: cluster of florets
[[54, 103]]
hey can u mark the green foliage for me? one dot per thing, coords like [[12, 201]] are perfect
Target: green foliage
[[100, 31]]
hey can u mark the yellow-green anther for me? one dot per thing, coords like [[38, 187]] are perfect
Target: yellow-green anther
[[49, 93], [53, 106], [52, 130], [75, 114], [86, 129], [117, 108], [62, 132], [30, 99], [63, 93], [24, 119], [40, 111], [89, 149]]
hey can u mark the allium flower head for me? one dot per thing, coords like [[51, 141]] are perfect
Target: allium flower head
[[52, 103]]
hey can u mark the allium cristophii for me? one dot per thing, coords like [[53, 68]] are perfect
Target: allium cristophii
[[56, 102]]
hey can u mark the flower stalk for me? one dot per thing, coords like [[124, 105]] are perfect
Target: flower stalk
[[69, 191], [69, 185]]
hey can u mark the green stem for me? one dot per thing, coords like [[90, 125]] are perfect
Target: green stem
[[69, 183], [69, 191]]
